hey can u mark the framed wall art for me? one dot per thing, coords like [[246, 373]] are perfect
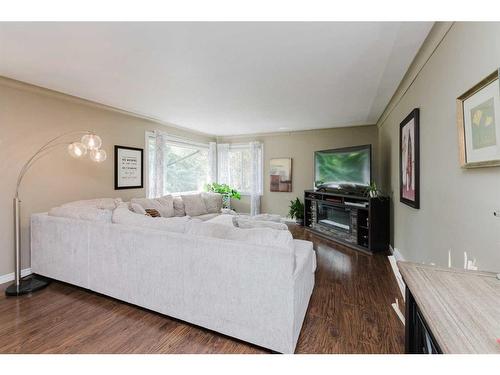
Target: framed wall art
[[478, 124], [409, 160], [280, 171], [129, 166]]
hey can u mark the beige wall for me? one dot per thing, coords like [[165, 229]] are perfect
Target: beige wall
[[300, 146], [29, 116], [456, 204]]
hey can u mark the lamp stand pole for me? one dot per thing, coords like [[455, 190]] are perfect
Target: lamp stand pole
[[30, 284]]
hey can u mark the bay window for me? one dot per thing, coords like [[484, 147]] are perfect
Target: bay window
[[177, 165]]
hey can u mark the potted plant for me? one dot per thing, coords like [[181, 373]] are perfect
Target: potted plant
[[226, 191], [373, 191], [297, 211]]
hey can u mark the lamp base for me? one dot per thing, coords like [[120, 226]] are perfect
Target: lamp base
[[27, 285]]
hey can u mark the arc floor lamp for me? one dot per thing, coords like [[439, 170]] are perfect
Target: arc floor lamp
[[90, 143]]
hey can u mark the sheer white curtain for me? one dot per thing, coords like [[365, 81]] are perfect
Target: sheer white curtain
[[157, 174], [223, 169], [244, 175], [212, 161], [255, 177]]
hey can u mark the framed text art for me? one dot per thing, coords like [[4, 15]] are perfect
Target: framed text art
[[129, 168], [478, 124], [409, 160]]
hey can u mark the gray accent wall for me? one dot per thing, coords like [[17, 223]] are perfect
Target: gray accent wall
[[456, 204]]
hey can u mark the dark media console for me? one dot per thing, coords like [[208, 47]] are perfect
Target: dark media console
[[357, 221]]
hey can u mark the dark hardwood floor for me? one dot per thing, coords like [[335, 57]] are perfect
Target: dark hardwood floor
[[349, 312]]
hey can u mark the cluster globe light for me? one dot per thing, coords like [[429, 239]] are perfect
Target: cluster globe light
[[89, 142], [98, 155], [92, 141], [77, 150]]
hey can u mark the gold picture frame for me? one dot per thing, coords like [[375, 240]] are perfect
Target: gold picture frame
[[481, 149]]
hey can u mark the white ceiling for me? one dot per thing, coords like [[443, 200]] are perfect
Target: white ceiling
[[221, 78]]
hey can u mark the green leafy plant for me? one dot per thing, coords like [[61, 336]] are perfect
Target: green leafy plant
[[223, 189], [296, 209], [372, 190]]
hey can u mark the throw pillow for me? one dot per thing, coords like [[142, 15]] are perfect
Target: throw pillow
[[152, 212], [122, 215], [164, 205], [213, 202], [179, 207], [194, 205]]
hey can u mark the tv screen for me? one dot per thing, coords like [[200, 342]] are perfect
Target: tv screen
[[343, 166]]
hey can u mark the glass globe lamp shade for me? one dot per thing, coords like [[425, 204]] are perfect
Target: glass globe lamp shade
[[77, 150], [98, 155], [92, 141]]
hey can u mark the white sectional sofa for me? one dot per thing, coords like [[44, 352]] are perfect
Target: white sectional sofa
[[254, 288]]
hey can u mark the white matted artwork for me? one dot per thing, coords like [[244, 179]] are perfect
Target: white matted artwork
[[128, 167], [280, 171], [479, 124]]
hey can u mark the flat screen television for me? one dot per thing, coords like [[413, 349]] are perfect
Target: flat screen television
[[342, 166]]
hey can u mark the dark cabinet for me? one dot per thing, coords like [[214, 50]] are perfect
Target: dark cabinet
[[418, 337]]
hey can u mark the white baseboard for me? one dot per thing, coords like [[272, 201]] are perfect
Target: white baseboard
[[11, 276], [393, 259], [397, 254]]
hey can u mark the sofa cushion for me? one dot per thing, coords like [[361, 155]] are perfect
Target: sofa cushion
[[213, 202], [164, 205], [122, 215], [222, 219], [82, 213], [246, 222], [179, 207], [101, 203], [255, 236], [194, 205], [206, 217], [303, 250], [137, 208]]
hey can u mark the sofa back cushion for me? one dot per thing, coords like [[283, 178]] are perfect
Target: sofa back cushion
[[101, 203], [245, 222], [194, 205], [164, 205], [137, 208], [83, 213], [122, 215], [179, 207], [254, 236], [213, 202]]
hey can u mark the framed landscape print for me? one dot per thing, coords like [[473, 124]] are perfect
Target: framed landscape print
[[280, 171], [129, 165], [409, 160], [478, 123]]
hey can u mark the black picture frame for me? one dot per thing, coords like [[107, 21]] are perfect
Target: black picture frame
[[117, 148], [415, 116]]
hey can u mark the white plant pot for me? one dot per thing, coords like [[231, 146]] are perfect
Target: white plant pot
[[226, 202]]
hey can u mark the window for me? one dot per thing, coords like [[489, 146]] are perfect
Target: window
[[236, 167], [185, 166], [178, 165]]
